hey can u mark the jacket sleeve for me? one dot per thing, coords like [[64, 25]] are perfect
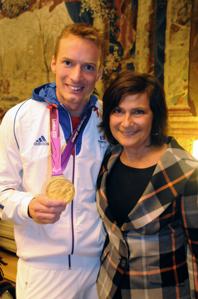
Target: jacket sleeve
[[189, 211], [13, 200]]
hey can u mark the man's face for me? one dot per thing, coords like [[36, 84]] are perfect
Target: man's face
[[77, 68]]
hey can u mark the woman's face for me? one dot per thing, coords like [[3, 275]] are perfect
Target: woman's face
[[131, 121]]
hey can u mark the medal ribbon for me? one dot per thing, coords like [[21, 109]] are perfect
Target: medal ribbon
[[55, 141], [59, 161]]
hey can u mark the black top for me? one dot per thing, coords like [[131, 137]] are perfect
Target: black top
[[125, 185]]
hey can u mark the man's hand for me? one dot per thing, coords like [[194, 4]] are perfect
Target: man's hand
[[43, 210]]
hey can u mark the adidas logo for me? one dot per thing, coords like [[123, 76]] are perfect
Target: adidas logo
[[41, 141], [102, 141]]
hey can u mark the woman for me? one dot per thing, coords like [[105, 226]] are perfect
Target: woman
[[147, 197]]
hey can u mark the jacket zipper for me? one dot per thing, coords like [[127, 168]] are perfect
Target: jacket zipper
[[72, 209]]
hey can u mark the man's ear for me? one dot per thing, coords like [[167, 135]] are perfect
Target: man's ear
[[53, 64]]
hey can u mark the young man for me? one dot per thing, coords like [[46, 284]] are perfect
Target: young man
[[51, 147]]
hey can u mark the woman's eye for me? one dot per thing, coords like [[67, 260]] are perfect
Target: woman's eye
[[89, 68], [116, 110], [138, 112]]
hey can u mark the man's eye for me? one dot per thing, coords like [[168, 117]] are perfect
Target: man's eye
[[67, 62], [89, 68]]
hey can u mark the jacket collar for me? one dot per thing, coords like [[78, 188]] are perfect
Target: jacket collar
[[167, 183]]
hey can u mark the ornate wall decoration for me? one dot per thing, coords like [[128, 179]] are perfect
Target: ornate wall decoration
[[159, 32], [176, 71], [181, 70], [193, 61], [12, 9], [159, 37], [117, 21]]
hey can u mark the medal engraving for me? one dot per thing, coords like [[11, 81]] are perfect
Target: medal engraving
[[58, 187]]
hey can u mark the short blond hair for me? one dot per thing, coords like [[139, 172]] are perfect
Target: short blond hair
[[84, 31]]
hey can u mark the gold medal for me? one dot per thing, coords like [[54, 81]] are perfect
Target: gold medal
[[58, 187]]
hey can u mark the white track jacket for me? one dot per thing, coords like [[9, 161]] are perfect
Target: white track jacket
[[25, 166]]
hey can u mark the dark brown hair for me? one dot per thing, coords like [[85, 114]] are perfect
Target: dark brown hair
[[130, 82]]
